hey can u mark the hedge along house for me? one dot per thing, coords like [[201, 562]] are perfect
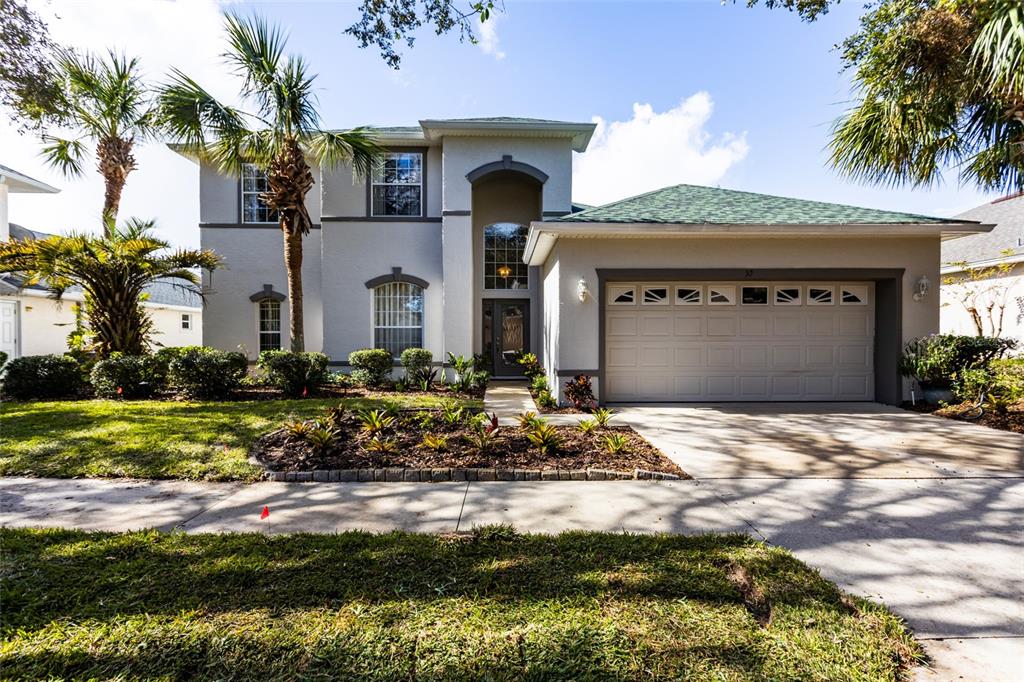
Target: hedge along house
[[467, 241]]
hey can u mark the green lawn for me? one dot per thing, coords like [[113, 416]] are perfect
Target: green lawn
[[489, 606], [148, 438]]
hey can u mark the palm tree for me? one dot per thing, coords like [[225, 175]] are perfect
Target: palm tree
[[278, 137], [103, 101], [112, 271]]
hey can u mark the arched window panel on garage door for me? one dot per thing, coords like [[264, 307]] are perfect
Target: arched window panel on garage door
[[689, 294], [853, 294], [622, 295], [722, 294], [821, 295], [787, 295], [655, 295]]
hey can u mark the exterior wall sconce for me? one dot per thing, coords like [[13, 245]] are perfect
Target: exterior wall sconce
[[504, 271], [581, 290], [922, 287]]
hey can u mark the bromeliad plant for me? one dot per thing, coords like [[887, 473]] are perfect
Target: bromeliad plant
[[113, 273], [545, 438], [281, 136], [484, 431], [616, 443], [603, 416], [528, 420], [375, 422], [435, 442]]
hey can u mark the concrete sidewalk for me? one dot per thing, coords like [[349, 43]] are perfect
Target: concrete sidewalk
[[617, 506]]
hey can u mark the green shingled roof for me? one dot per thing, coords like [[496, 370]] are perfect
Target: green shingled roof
[[694, 204]]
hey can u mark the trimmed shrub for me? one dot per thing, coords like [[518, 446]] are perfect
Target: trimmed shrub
[[294, 373], [43, 377], [371, 366], [124, 376], [416, 362], [3, 360], [202, 372], [162, 362]]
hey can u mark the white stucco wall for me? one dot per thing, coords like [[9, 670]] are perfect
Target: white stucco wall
[[360, 251], [254, 256], [45, 324], [956, 320], [578, 342], [344, 195]]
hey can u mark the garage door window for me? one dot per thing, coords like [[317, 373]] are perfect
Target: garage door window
[[722, 295], [689, 296], [787, 295], [819, 296], [622, 295], [755, 296], [854, 295], [655, 295]]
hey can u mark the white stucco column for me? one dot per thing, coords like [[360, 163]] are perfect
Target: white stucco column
[[457, 264], [5, 228]]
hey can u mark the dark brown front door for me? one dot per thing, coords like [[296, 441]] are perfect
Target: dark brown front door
[[506, 327]]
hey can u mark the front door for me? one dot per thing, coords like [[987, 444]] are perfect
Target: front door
[[506, 327], [9, 328]]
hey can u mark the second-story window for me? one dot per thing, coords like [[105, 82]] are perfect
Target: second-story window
[[254, 209], [397, 188]]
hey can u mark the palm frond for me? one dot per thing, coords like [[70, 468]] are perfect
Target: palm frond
[[998, 51], [357, 146], [256, 49], [67, 156], [294, 100], [202, 125]]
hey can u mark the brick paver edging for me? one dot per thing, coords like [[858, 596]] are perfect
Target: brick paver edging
[[398, 475]]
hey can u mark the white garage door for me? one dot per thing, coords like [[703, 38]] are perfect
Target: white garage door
[[730, 341]]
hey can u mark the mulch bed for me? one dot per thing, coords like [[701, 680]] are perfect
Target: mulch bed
[[510, 450], [1012, 421]]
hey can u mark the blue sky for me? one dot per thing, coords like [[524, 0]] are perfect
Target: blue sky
[[761, 89]]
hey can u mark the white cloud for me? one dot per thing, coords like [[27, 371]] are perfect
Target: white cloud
[[488, 39], [653, 150], [186, 34]]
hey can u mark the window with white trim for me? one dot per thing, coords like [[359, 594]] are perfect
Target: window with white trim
[[689, 295], [787, 295], [254, 183], [620, 295], [397, 317], [270, 324], [655, 296], [397, 186], [186, 320], [722, 295]]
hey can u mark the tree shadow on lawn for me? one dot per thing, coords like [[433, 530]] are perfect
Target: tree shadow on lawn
[[379, 606], [144, 439]]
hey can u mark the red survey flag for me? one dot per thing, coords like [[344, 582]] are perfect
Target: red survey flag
[[265, 513]]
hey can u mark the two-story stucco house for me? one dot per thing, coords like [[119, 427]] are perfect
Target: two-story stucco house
[[467, 241]]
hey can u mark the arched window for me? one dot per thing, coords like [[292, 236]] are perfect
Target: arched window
[[398, 316], [503, 256], [270, 324]]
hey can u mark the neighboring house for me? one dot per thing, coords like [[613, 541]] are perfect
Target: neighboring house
[[986, 272], [32, 323], [467, 241]]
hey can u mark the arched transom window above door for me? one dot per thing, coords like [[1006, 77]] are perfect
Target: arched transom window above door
[[503, 256]]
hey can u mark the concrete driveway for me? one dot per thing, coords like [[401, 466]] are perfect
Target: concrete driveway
[[919, 512]]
